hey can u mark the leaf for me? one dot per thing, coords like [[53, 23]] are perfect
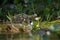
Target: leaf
[[8, 17]]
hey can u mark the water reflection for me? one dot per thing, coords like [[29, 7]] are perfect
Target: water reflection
[[25, 36], [18, 36]]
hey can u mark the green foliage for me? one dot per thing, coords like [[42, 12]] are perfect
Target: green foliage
[[34, 26], [16, 1], [46, 9], [9, 16]]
